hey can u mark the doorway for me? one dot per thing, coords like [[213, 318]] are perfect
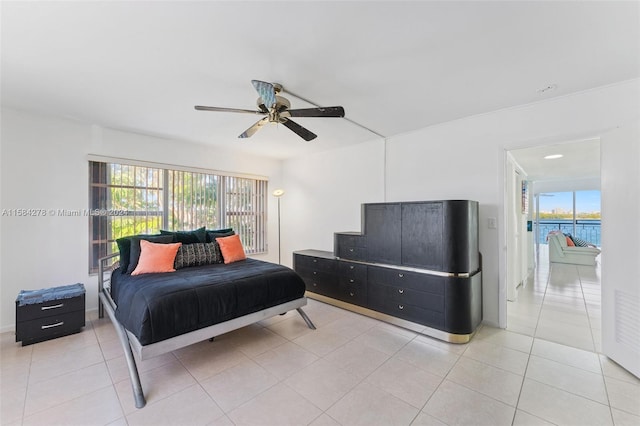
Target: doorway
[[573, 166]]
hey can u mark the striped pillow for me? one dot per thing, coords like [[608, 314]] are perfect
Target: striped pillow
[[580, 242], [198, 254]]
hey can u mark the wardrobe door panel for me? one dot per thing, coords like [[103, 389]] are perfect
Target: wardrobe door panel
[[382, 228], [422, 235]]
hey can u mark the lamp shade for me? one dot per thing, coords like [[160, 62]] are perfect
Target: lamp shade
[[278, 193]]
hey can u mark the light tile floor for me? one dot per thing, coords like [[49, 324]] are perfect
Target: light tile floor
[[544, 369]]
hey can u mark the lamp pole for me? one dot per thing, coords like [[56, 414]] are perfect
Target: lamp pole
[[279, 193]]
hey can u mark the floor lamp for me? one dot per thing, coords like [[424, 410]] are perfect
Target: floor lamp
[[278, 193]]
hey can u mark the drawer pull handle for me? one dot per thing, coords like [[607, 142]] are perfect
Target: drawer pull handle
[[401, 291], [315, 285], [44, 308], [351, 281], [351, 250], [315, 273], [315, 260], [400, 307], [401, 275], [351, 267], [351, 294], [58, 324]]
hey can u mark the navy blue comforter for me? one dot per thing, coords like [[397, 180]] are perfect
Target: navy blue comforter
[[155, 307]]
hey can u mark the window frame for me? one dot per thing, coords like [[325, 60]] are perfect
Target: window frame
[[251, 204]]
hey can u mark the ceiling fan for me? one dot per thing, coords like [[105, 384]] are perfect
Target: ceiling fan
[[276, 110]]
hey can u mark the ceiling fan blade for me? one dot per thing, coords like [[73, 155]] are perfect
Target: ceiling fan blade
[[298, 129], [220, 109], [253, 129], [266, 91], [334, 111]]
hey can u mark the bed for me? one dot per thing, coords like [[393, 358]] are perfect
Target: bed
[[155, 313]]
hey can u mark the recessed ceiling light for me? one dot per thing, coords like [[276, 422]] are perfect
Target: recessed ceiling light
[[553, 156], [548, 88]]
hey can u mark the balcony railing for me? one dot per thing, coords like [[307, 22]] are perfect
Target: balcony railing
[[586, 229]]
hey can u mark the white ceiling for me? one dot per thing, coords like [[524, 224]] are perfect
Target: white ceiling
[[395, 66], [580, 160]]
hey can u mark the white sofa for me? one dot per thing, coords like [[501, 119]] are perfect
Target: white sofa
[[560, 252]]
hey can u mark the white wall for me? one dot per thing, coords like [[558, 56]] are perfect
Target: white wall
[[44, 166], [324, 193], [462, 159]]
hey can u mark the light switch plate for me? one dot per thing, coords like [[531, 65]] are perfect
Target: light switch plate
[[493, 223]]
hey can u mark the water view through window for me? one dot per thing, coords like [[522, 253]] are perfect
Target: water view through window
[[557, 213]]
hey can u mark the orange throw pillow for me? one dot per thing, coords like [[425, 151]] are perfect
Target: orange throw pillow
[[231, 248], [156, 257], [570, 242]]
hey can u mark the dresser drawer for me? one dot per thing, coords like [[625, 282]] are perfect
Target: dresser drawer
[[350, 246], [352, 270], [314, 263], [319, 281], [349, 240], [406, 279], [353, 293], [352, 282], [352, 253], [406, 311], [39, 329], [406, 296], [53, 307]]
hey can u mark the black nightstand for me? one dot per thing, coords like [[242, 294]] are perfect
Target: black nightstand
[[49, 313]]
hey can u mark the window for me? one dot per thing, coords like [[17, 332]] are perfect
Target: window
[[134, 199], [576, 213]]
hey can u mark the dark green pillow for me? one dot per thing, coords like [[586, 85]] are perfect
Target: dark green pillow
[[124, 247], [135, 247], [212, 234], [188, 237]]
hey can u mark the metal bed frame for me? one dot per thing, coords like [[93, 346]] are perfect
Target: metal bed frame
[[131, 344]]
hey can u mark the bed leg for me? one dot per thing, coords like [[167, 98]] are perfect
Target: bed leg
[[100, 309], [306, 318], [138, 394]]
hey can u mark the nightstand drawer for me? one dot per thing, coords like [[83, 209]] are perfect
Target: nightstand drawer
[[52, 307], [40, 329]]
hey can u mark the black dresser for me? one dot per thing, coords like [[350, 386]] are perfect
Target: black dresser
[[49, 313], [414, 264]]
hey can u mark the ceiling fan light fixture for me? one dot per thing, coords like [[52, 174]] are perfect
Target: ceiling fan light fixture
[[553, 156]]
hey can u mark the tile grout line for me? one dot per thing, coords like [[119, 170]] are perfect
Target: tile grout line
[[535, 331], [604, 381]]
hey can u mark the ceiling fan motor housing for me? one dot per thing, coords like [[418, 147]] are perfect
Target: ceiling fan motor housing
[[282, 104], [278, 111]]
